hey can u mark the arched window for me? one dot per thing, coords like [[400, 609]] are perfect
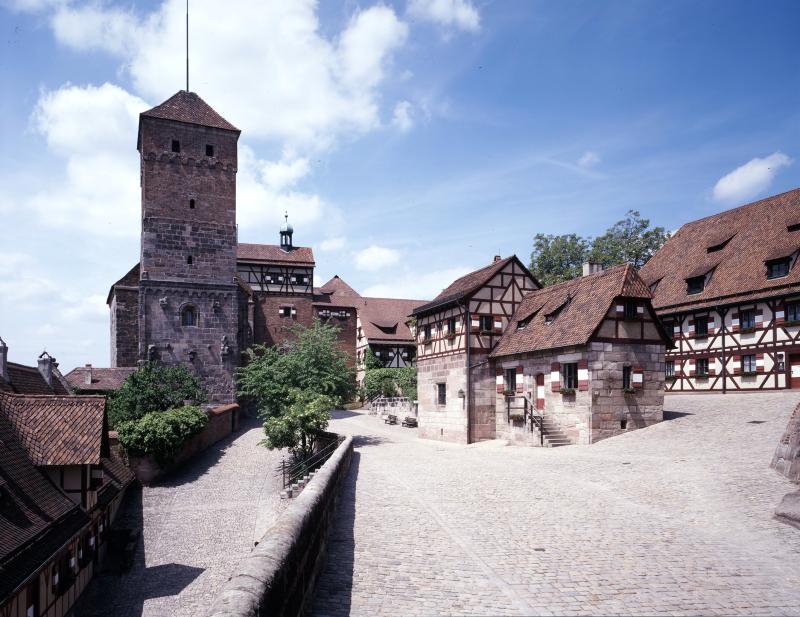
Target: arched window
[[188, 316]]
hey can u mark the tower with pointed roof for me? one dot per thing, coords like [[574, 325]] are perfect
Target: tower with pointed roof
[[188, 310]]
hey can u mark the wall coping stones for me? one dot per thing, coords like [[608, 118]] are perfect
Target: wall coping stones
[[787, 455], [278, 576]]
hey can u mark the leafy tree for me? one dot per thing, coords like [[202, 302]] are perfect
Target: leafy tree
[[153, 387], [630, 240], [556, 259], [371, 360], [161, 433], [313, 361], [299, 425], [391, 382]]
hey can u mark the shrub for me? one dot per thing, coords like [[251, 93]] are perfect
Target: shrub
[[153, 387], [298, 427], [161, 433], [391, 382]]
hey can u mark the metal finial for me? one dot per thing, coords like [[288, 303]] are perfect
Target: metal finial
[[187, 45]]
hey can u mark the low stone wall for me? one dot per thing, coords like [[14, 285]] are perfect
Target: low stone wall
[[278, 576], [787, 455], [222, 421]]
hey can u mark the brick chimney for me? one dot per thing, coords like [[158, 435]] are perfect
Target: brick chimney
[[592, 267], [497, 258], [46, 365], [4, 361], [87, 375]]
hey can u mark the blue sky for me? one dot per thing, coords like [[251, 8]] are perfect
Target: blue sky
[[410, 140]]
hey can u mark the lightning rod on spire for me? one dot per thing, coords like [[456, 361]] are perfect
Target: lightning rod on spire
[[187, 45]]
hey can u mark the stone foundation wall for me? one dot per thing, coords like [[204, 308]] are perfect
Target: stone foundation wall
[[787, 456], [445, 422]]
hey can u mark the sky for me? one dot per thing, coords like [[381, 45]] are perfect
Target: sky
[[410, 141]]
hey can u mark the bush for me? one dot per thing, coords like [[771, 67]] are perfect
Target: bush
[[153, 387], [391, 382], [299, 426], [161, 433]]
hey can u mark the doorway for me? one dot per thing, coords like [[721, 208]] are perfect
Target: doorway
[[794, 371]]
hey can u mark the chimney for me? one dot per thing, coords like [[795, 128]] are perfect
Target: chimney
[[87, 375], [592, 267], [46, 365], [4, 361], [497, 258]]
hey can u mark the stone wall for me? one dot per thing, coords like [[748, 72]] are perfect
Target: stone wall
[[278, 577], [445, 422], [484, 423], [787, 456], [125, 326]]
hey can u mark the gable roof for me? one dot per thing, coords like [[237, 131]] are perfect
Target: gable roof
[[28, 380], [188, 107], [300, 255], [57, 430], [103, 379], [578, 307], [755, 233], [469, 284], [337, 287], [384, 319], [36, 519]]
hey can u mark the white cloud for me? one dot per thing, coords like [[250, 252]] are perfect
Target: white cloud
[[456, 13], [589, 159], [287, 172], [750, 179], [402, 119], [30, 6], [333, 244], [375, 258], [418, 286], [302, 86]]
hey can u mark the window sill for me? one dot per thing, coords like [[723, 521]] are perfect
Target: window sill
[[567, 391]]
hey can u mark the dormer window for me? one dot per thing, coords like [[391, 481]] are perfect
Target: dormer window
[[176, 145], [719, 244], [793, 227], [209, 150], [778, 268], [523, 323], [631, 309], [695, 284]]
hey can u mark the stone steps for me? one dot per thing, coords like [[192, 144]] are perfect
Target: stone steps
[[554, 437]]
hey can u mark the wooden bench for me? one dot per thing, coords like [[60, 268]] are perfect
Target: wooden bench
[[410, 422], [390, 419]]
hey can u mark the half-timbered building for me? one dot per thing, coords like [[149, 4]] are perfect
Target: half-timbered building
[[455, 334], [727, 287]]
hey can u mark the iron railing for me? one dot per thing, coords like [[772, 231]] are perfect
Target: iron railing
[[529, 413], [294, 472]]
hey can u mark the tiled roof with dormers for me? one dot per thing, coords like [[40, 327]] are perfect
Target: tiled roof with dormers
[[576, 308], [102, 379], [744, 238], [57, 430], [188, 107], [272, 253]]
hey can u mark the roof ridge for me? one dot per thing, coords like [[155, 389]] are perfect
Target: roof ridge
[[747, 205]]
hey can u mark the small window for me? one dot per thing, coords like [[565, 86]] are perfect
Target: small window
[[695, 285], [441, 394], [486, 323], [749, 363], [779, 359], [701, 326], [188, 316], [426, 332], [209, 150], [778, 268], [451, 325], [793, 311], [747, 320], [631, 309], [191, 204], [176, 145], [669, 329], [286, 311], [669, 368], [626, 377], [511, 379], [702, 367], [189, 260], [523, 323], [569, 375]]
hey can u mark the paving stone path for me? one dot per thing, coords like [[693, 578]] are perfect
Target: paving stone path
[[197, 525], [674, 519]]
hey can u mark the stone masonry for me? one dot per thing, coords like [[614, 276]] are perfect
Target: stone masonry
[[446, 422]]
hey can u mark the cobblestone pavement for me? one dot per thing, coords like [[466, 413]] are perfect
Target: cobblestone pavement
[[673, 519], [198, 524]]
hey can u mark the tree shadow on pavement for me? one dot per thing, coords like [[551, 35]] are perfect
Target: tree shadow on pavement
[[361, 441], [341, 414], [674, 415], [334, 588]]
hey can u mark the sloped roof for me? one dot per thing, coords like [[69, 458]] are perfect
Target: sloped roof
[[579, 307], [28, 380], [301, 255], [337, 287], [188, 107], [36, 519], [130, 281], [468, 284], [57, 430], [384, 319], [756, 232], [103, 379]]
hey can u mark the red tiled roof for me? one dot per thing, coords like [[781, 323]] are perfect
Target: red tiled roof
[[57, 430], [103, 379], [190, 108], [579, 307], [337, 287], [384, 319], [301, 255], [28, 380], [757, 232]]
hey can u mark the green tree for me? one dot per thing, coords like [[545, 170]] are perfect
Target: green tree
[[153, 387], [556, 259], [391, 382], [630, 240], [313, 362], [298, 426]]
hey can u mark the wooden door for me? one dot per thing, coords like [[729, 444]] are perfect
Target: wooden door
[[540, 391], [794, 371]]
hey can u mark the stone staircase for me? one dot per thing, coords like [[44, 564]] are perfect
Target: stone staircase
[[553, 435]]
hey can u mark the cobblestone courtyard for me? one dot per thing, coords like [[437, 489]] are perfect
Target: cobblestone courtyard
[[198, 524], [673, 519]]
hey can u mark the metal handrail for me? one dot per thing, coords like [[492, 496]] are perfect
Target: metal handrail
[[295, 472], [536, 418]]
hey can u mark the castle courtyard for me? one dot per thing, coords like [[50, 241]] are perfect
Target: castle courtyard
[[673, 519]]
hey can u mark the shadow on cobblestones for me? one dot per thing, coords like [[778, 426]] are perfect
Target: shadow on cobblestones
[[362, 441], [340, 414], [674, 415], [335, 592]]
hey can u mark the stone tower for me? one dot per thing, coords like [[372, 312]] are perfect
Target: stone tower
[[188, 310]]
